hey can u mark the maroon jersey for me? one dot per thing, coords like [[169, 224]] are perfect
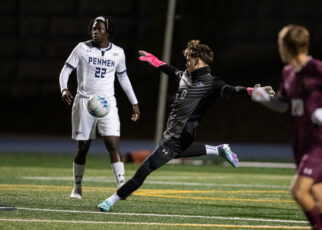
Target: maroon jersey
[[303, 90]]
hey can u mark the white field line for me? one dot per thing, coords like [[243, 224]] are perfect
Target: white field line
[[266, 164], [252, 164], [105, 179], [163, 215], [156, 224]]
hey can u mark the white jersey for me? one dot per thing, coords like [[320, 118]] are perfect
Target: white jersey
[[96, 68]]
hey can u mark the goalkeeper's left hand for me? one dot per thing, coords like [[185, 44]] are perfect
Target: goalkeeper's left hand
[[150, 58], [262, 93]]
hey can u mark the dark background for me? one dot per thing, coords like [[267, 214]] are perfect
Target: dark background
[[37, 36]]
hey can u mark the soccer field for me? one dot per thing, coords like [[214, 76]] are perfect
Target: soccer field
[[173, 197]]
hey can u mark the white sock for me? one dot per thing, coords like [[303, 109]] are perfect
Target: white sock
[[113, 199], [211, 149], [118, 168], [78, 172]]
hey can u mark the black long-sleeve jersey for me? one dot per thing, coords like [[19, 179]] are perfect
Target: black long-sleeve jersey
[[195, 94], [197, 91]]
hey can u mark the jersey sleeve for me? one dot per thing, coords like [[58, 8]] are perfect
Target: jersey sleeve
[[170, 71], [121, 67], [127, 87], [226, 91], [73, 59], [64, 76]]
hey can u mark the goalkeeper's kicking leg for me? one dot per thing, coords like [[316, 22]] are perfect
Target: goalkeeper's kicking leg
[[161, 156]]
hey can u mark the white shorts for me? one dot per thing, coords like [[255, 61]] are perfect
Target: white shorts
[[84, 125]]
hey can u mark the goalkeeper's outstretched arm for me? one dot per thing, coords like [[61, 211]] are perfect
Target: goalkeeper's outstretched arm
[[265, 95], [240, 91], [161, 65], [170, 71], [228, 91]]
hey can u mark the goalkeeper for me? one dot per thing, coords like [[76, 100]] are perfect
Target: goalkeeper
[[197, 91]]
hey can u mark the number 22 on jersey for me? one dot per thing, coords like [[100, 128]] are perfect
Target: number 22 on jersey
[[100, 72]]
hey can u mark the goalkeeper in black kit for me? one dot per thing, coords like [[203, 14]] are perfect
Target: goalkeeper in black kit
[[197, 91]]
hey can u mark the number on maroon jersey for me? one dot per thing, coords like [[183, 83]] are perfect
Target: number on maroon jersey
[[297, 107]]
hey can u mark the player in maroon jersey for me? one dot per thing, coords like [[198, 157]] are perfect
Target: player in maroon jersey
[[301, 93]]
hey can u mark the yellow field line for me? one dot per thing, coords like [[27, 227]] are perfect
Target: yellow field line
[[152, 191], [158, 224], [149, 192], [170, 191], [212, 198], [261, 191], [158, 191]]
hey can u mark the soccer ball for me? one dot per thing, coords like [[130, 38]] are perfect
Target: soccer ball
[[98, 106]]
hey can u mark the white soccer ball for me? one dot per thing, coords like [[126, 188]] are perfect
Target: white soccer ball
[[98, 106]]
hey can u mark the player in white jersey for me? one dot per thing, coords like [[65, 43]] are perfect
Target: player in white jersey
[[96, 62]]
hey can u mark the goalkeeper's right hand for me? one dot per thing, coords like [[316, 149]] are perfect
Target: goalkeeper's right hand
[[150, 58]]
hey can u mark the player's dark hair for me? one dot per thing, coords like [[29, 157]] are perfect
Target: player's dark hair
[[197, 50], [109, 26], [297, 39]]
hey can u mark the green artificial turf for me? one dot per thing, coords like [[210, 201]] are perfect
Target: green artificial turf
[[173, 197]]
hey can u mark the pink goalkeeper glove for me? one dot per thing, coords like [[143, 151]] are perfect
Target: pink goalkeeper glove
[[150, 58]]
